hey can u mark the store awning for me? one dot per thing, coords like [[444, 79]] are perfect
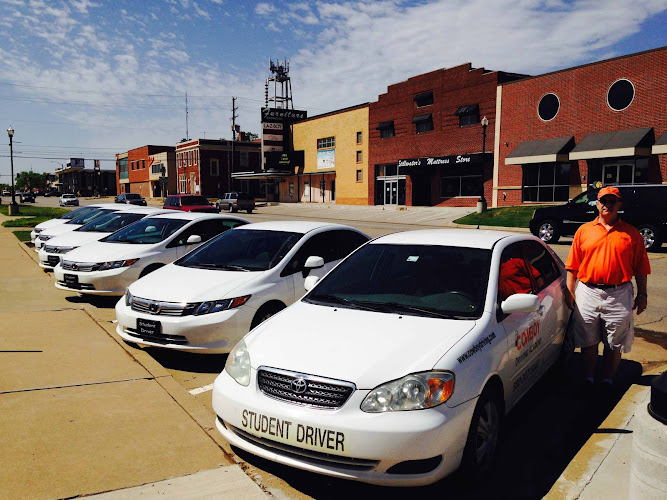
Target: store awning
[[385, 125], [660, 146], [545, 150], [470, 109], [635, 142], [266, 174], [421, 118]]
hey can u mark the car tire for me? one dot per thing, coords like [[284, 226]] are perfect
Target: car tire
[[150, 269], [249, 211], [548, 231], [265, 312], [231, 208], [651, 239], [217, 207], [483, 436]]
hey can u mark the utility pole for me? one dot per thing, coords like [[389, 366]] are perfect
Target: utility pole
[[187, 133], [231, 168]]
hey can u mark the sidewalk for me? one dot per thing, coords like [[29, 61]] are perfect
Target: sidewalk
[[74, 418]]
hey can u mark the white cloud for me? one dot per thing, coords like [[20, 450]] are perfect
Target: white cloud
[[264, 9]]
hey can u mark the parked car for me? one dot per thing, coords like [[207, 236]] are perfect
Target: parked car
[[26, 196], [76, 222], [400, 364], [644, 206], [234, 201], [60, 220], [189, 203], [68, 199], [6, 192], [109, 266], [231, 284], [130, 198], [51, 253]]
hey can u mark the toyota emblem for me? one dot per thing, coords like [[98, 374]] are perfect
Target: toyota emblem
[[299, 385]]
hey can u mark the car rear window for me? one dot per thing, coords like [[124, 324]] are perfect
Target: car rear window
[[194, 200]]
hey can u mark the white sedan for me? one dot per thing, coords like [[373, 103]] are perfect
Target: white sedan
[[209, 299], [60, 220], [51, 253], [108, 266], [399, 366], [82, 218]]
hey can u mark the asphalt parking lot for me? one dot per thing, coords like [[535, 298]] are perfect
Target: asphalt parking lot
[[72, 425]]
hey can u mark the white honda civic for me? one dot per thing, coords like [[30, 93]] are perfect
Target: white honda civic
[[209, 299], [400, 364], [108, 266], [76, 222], [60, 220], [51, 253]]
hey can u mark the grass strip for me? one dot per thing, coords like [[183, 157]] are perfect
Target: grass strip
[[505, 216], [22, 235], [25, 221], [35, 211]]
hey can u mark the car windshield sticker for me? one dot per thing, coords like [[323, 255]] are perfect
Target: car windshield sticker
[[413, 258], [477, 347]]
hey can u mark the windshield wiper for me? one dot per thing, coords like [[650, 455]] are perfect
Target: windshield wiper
[[396, 307], [227, 267], [354, 304]]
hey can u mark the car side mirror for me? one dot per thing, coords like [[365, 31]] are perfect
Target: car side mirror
[[192, 239], [310, 283], [312, 262], [520, 303]]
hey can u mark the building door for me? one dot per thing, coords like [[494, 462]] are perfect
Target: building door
[[391, 192], [618, 173], [192, 183]]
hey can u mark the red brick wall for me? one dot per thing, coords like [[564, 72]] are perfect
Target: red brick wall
[[452, 88], [582, 92]]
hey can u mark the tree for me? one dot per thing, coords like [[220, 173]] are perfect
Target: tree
[[27, 181], [251, 136]]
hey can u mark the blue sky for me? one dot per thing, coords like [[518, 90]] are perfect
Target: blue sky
[[91, 78]]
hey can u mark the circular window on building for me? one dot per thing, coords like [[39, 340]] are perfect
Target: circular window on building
[[548, 107], [620, 95]]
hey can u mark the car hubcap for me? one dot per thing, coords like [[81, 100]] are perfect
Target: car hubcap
[[649, 237], [546, 232], [487, 433]]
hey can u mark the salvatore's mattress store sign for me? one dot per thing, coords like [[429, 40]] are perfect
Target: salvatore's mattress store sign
[[458, 160]]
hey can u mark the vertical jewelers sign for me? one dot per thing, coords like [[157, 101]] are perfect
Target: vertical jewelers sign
[[276, 129]]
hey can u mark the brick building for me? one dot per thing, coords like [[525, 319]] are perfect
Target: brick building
[[205, 166], [558, 133], [426, 142], [139, 171]]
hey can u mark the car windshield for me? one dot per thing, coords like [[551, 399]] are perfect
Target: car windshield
[[77, 212], [111, 222], [242, 250], [146, 231], [68, 196], [132, 196], [88, 216], [420, 280], [193, 200]]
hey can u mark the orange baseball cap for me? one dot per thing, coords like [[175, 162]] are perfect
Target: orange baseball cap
[[609, 190]]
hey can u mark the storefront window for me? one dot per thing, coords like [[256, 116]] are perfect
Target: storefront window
[[546, 182], [463, 185]]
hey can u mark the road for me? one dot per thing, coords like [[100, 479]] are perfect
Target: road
[[541, 434]]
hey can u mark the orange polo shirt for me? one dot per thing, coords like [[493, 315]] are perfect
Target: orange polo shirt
[[608, 257]]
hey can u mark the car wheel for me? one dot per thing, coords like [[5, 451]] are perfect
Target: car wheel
[[482, 442], [150, 269], [651, 239], [217, 207], [548, 232], [265, 312], [249, 211], [230, 208]]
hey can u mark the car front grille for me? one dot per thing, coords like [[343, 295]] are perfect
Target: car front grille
[[304, 455], [84, 267], [156, 307], [77, 286], [158, 338], [302, 389]]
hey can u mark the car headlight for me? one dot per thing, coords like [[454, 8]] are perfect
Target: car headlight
[[413, 392], [213, 306], [37, 230], [238, 364], [64, 249], [115, 264]]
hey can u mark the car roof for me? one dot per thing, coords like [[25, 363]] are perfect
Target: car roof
[[295, 226], [146, 210], [464, 238], [177, 214], [182, 195]]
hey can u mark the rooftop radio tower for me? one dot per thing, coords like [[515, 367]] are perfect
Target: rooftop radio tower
[[282, 86]]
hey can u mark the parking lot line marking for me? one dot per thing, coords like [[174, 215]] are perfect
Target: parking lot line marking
[[200, 390]]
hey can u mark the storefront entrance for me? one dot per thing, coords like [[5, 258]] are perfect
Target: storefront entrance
[[618, 173]]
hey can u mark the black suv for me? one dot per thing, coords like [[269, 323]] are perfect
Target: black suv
[[644, 206]]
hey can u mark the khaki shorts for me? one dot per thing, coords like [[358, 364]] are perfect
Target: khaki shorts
[[604, 316]]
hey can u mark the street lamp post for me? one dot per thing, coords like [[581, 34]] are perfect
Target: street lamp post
[[13, 207], [481, 203]]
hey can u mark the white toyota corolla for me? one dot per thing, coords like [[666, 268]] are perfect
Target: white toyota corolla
[[51, 253], [400, 364], [76, 222], [209, 299], [108, 266]]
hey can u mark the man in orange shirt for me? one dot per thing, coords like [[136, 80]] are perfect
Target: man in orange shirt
[[606, 253]]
